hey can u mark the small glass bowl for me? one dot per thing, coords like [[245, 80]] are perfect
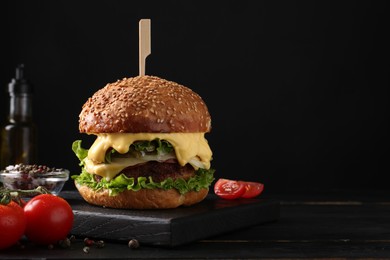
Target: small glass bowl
[[29, 177]]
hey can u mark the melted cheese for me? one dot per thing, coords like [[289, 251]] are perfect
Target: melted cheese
[[188, 146]]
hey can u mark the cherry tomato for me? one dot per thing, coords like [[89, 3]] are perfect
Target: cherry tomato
[[49, 219], [229, 189], [252, 189], [12, 224]]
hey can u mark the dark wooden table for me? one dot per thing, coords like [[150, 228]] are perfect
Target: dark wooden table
[[338, 224]]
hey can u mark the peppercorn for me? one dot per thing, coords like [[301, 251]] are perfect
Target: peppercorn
[[88, 242], [72, 238], [65, 243], [133, 243], [99, 244]]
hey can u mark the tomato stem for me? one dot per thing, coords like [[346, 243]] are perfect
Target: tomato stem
[[6, 195]]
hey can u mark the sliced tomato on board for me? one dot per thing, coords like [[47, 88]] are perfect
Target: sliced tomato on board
[[252, 189], [229, 189], [232, 189]]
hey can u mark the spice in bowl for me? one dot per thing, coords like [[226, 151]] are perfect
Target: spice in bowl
[[28, 177]]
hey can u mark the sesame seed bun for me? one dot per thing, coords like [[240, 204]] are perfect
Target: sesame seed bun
[[144, 104]]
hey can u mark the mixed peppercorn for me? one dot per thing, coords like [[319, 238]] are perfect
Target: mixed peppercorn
[[27, 177], [31, 170]]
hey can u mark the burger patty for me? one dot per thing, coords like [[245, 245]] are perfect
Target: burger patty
[[159, 171]]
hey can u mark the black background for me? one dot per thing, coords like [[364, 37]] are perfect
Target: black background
[[297, 90]]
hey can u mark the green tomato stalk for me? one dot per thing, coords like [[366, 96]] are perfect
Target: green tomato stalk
[[7, 195]]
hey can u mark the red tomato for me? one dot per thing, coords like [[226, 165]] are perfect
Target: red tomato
[[252, 189], [12, 224], [229, 189], [49, 219]]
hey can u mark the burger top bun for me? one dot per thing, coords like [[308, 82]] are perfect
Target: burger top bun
[[144, 104]]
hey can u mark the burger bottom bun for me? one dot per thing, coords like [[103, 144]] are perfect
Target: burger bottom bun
[[142, 199]]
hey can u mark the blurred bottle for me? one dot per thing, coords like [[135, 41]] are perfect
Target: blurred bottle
[[18, 135]]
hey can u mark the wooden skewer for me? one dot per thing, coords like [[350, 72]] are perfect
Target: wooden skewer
[[144, 44]]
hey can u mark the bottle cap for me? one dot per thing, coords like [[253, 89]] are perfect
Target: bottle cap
[[19, 84]]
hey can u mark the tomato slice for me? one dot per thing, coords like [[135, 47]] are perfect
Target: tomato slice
[[229, 189], [252, 189]]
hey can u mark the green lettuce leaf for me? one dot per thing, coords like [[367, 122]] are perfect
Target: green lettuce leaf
[[80, 152], [202, 179]]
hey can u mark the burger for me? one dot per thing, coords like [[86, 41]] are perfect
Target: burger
[[150, 150]]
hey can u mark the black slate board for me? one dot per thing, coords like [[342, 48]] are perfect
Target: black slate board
[[170, 227]]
